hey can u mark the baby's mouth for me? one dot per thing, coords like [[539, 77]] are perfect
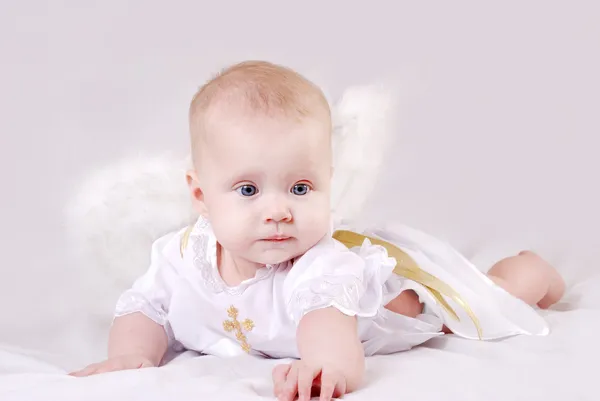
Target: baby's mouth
[[277, 238]]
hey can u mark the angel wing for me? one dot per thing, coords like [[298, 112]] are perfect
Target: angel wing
[[122, 208], [363, 123]]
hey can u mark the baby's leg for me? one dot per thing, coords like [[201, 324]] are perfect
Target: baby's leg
[[529, 277], [407, 304]]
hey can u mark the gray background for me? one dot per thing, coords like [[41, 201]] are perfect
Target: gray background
[[497, 142]]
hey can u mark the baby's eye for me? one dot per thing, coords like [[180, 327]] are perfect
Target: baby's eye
[[300, 189], [247, 190]]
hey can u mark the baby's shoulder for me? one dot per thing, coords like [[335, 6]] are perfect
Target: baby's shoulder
[[336, 273], [333, 257]]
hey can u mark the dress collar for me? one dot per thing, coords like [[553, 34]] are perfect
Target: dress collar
[[205, 247]]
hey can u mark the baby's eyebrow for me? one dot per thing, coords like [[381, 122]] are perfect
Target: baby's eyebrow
[[245, 176]]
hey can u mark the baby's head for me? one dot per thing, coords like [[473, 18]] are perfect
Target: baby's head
[[261, 147]]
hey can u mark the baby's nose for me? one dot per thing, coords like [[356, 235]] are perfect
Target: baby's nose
[[278, 212]]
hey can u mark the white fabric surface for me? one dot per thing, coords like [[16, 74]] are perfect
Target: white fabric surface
[[498, 151], [519, 368]]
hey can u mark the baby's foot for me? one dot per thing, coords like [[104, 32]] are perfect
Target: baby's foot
[[556, 287]]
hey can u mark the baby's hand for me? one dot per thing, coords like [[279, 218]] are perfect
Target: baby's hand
[[124, 362], [301, 379]]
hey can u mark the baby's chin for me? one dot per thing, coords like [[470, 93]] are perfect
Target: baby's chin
[[275, 252], [277, 255]]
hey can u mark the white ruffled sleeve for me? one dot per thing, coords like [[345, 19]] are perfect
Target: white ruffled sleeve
[[331, 275], [151, 293]]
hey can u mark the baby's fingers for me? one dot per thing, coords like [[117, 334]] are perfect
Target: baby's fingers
[[290, 388], [306, 377], [87, 371], [280, 373], [111, 366], [332, 385]]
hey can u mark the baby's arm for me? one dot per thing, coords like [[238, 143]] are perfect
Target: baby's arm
[[329, 346], [136, 334], [328, 338], [324, 293], [135, 342]]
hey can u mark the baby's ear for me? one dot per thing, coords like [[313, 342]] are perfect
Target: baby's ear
[[196, 192]]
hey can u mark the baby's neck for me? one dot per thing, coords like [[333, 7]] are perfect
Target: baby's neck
[[235, 270]]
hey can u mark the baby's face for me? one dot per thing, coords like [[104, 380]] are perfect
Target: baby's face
[[266, 186]]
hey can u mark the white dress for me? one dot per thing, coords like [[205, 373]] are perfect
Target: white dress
[[183, 291]]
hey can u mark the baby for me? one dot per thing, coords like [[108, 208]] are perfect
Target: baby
[[262, 271]]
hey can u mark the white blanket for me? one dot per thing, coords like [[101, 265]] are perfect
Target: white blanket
[[527, 368]]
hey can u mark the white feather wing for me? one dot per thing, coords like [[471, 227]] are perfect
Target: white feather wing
[[363, 123], [121, 209]]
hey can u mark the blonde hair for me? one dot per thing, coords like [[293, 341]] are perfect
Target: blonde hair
[[258, 87]]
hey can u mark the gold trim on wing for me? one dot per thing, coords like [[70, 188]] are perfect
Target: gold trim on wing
[[407, 267], [185, 237]]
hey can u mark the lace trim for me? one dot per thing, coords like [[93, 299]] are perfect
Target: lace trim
[[204, 245], [344, 293], [131, 302], [360, 295]]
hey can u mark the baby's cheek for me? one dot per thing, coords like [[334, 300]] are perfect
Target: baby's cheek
[[314, 216], [232, 224]]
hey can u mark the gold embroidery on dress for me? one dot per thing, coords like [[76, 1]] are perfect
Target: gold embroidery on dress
[[235, 325], [407, 267], [184, 239]]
